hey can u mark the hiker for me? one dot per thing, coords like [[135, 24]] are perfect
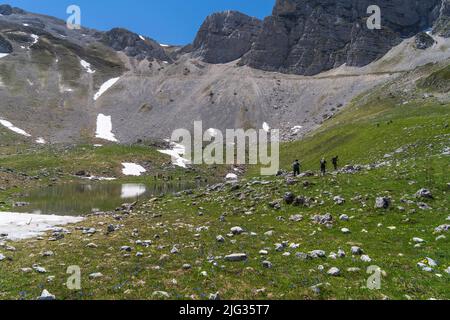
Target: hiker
[[296, 167], [323, 166], [335, 162]]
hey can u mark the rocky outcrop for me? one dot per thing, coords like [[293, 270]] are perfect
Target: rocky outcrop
[[424, 41], [5, 45], [134, 45], [7, 10], [310, 36], [442, 25], [226, 36]]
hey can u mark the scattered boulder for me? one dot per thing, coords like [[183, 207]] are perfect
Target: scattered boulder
[[46, 296], [236, 257], [424, 193], [289, 198], [382, 203], [424, 41], [335, 272]]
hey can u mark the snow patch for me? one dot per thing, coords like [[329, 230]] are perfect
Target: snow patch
[[104, 128], [266, 127], [296, 129], [164, 45], [11, 127], [105, 87], [19, 226], [35, 39], [40, 141], [177, 152], [2, 55], [87, 66], [132, 169], [142, 38]]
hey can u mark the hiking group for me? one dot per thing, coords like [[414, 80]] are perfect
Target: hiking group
[[323, 165]]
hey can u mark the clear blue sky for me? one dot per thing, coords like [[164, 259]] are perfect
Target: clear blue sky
[[167, 21]]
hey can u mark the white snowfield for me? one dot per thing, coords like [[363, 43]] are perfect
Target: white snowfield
[[132, 169], [11, 127], [105, 87], [19, 226], [87, 66], [2, 55], [177, 152], [104, 128]]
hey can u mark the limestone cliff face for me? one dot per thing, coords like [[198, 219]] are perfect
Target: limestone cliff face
[[310, 36], [226, 36], [442, 25]]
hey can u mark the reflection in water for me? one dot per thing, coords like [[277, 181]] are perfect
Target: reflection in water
[[132, 190], [82, 198]]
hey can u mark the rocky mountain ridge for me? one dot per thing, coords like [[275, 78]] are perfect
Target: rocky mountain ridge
[[55, 82]]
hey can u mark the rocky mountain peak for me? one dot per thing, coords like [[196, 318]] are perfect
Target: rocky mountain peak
[[226, 36], [310, 36], [7, 10], [134, 45]]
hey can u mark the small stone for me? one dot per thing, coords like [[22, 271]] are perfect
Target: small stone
[[48, 254], [424, 193], [345, 231], [46, 296], [264, 252], [237, 230], [39, 269], [418, 240], [220, 239], [382, 203], [214, 296], [187, 266], [356, 250], [296, 218], [344, 217], [161, 294], [317, 254], [267, 264], [95, 275], [339, 200], [126, 249], [334, 272], [236, 257]]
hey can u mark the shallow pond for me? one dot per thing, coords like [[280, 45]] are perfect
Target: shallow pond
[[82, 198]]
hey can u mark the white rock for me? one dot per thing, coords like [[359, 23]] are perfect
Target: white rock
[[237, 230], [366, 258], [45, 295], [334, 272], [95, 275], [236, 257]]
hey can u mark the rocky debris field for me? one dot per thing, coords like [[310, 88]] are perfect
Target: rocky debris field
[[308, 237]]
